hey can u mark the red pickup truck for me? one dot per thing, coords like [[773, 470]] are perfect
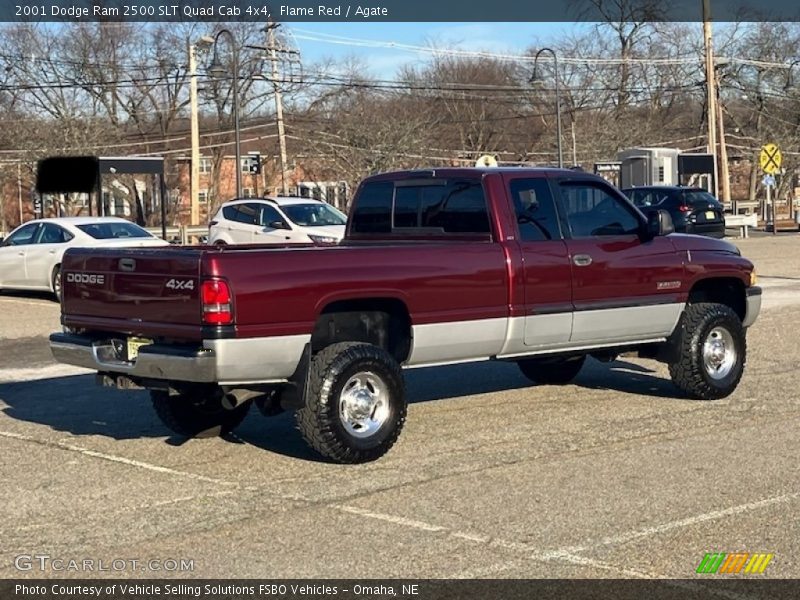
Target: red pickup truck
[[542, 267]]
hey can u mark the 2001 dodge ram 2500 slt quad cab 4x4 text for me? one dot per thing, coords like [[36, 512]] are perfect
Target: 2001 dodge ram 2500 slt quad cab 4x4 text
[[542, 267]]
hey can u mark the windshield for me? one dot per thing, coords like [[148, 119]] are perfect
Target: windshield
[[314, 215], [110, 231]]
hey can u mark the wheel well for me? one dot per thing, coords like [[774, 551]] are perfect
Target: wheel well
[[724, 290], [384, 322]]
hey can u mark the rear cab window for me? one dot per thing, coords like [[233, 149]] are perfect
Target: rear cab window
[[422, 206]]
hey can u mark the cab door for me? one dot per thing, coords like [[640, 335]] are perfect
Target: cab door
[[12, 256], [42, 256], [272, 228], [626, 286], [546, 267]]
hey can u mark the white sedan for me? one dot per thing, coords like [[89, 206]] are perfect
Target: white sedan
[[30, 257]]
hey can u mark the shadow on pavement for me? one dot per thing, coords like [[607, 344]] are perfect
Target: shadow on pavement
[[77, 406]]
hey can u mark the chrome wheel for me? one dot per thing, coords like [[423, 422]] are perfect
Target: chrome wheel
[[364, 404], [719, 353]]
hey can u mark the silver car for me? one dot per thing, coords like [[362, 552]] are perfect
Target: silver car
[[30, 257]]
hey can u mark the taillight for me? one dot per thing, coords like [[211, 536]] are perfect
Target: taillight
[[216, 297], [684, 209]]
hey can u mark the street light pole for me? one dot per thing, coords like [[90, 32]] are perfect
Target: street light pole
[[218, 70], [558, 97]]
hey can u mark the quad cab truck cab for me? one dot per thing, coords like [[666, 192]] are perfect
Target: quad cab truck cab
[[541, 267]]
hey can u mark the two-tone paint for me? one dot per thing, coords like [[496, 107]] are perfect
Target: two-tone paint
[[469, 297]]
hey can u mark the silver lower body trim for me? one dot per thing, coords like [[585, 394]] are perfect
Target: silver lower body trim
[[753, 309], [227, 362]]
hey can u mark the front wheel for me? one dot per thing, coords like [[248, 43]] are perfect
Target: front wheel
[[712, 351], [355, 403], [553, 371], [198, 414]]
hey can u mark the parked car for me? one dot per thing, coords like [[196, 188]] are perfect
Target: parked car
[[30, 257], [541, 267], [277, 221], [693, 210]]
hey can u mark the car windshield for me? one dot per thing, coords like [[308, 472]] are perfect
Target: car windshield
[[314, 215], [643, 198], [699, 198], [115, 230]]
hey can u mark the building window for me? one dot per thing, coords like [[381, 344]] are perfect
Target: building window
[[661, 174], [202, 196], [205, 165], [248, 193]]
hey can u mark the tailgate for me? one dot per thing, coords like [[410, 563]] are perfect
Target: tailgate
[[136, 291]]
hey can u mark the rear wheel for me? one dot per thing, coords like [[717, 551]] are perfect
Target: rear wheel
[[355, 406], [554, 371], [55, 281], [198, 414]]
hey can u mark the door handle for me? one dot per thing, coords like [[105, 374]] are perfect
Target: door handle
[[52, 251], [582, 260], [20, 254]]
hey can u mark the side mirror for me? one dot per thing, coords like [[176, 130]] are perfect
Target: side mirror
[[659, 222], [277, 225]]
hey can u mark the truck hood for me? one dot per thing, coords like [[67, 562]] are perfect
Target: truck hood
[[700, 243]]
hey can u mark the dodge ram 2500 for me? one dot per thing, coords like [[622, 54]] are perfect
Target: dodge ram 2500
[[542, 267]]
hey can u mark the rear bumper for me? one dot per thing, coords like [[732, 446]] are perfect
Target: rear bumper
[[227, 361], [753, 305]]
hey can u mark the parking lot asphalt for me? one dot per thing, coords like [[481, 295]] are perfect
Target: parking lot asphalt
[[615, 475]]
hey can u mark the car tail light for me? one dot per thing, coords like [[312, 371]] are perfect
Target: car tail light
[[684, 208], [216, 297]]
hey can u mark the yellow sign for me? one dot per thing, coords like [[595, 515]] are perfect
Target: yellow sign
[[770, 159]]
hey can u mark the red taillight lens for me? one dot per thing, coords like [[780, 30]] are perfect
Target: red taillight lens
[[216, 298], [684, 209]]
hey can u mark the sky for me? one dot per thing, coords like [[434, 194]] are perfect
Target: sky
[[510, 38]]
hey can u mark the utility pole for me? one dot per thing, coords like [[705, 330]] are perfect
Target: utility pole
[[273, 57], [725, 176], [711, 89], [194, 185]]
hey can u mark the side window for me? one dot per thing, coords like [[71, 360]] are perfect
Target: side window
[[53, 234], [593, 211], [249, 214], [269, 215], [23, 236], [229, 212], [373, 210], [535, 210], [460, 207], [457, 207]]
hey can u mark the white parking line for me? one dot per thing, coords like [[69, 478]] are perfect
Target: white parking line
[[37, 373], [118, 459], [28, 302]]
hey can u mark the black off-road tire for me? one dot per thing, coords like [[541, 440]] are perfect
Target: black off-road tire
[[689, 371], [319, 421], [55, 282], [197, 414], [552, 371]]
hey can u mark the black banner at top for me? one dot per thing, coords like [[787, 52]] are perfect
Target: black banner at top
[[76, 11]]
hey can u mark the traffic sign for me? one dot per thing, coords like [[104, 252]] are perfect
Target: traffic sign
[[770, 159], [768, 181]]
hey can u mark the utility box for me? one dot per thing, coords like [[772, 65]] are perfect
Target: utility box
[[648, 166]]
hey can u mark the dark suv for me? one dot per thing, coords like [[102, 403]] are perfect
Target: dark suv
[[693, 210]]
